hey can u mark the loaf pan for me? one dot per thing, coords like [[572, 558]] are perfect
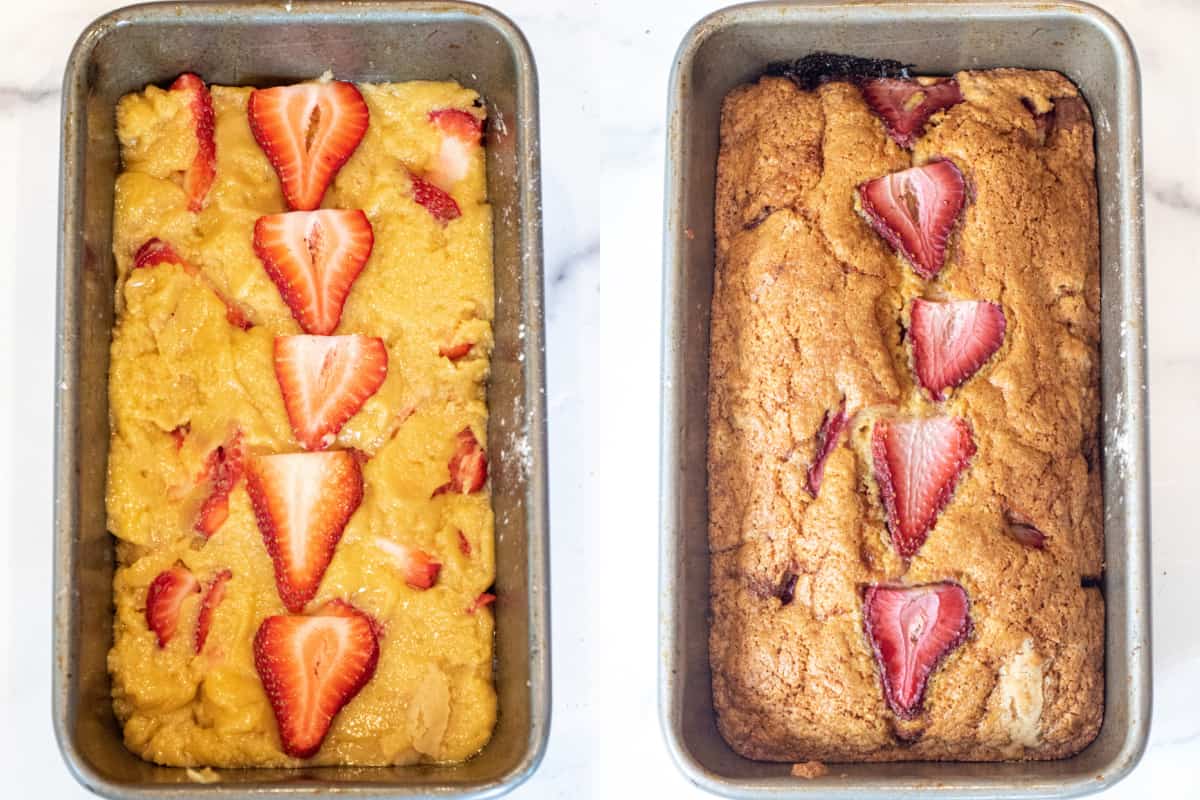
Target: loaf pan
[[732, 47], [262, 44]]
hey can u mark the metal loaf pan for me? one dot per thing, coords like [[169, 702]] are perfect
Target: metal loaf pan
[[260, 44], [733, 46]]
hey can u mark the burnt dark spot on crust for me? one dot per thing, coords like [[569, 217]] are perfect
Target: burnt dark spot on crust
[[814, 69], [759, 218], [787, 588], [1092, 582]]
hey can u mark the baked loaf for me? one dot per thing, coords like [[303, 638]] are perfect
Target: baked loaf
[[904, 477]]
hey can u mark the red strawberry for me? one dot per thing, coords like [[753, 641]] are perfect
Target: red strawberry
[[314, 258], [164, 599], [463, 545], [199, 176], [918, 462], [915, 210], [155, 251], [461, 132], [302, 502], [1022, 529], [419, 568], [911, 630], [325, 380], [468, 466], [951, 341], [223, 469], [311, 667], [436, 201], [906, 105], [827, 439], [308, 131], [212, 598], [482, 601], [455, 351], [180, 433]]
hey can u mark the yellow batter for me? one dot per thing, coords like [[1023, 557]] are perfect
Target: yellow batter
[[176, 361]]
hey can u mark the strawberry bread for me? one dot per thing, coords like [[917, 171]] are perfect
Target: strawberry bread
[[904, 477], [298, 471]]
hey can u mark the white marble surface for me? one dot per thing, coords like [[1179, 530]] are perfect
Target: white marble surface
[[603, 68]]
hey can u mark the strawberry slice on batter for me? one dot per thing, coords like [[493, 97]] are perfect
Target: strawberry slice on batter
[[906, 105], [222, 469], [302, 502], [461, 131], [419, 568], [198, 178], [314, 257], [468, 466], [951, 341], [164, 600], [827, 440], [155, 251], [915, 211], [311, 667], [213, 596], [911, 630], [484, 600], [437, 201], [918, 463], [325, 380], [308, 131]]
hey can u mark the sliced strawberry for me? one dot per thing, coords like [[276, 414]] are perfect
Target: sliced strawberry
[[435, 200], [420, 569], [455, 351], [911, 630], [314, 257], [311, 667], [164, 599], [308, 131], [468, 466], [213, 596], [915, 210], [302, 502], [827, 440], [464, 546], [223, 470], [905, 106], [951, 341], [1022, 529], [325, 380], [461, 133], [155, 251], [918, 462], [482, 601], [180, 433], [199, 176]]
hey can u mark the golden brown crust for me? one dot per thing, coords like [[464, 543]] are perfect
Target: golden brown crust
[[808, 309]]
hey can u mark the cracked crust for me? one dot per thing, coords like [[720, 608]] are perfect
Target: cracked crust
[[808, 309]]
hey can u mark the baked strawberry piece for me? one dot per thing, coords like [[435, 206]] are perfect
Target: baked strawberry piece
[[1022, 529], [314, 257], [915, 211], [906, 105], [308, 131], [918, 462], [311, 667], [827, 439], [213, 595], [164, 600], [222, 471], [911, 630], [461, 132], [302, 502], [325, 380], [420, 570], [951, 341], [198, 178], [468, 466]]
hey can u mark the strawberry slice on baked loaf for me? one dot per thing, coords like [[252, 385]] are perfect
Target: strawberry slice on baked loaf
[[198, 178], [461, 132], [918, 463], [311, 667], [213, 596], [325, 380], [906, 105], [308, 131], [827, 440], [911, 630], [314, 257], [951, 341], [164, 600], [468, 466], [302, 502], [915, 211]]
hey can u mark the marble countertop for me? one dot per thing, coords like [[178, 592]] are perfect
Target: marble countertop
[[603, 68]]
